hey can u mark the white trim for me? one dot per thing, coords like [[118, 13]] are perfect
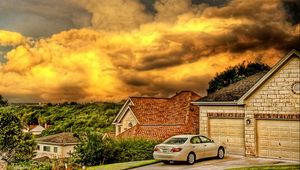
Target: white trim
[[268, 75], [123, 111]]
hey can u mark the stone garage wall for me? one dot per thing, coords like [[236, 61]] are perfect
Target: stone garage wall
[[217, 111], [275, 98]]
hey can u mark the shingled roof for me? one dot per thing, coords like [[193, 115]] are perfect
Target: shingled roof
[[234, 91], [168, 111], [60, 138]]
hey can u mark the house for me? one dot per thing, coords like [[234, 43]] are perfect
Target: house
[[158, 118], [258, 116], [56, 146], [37, 130]]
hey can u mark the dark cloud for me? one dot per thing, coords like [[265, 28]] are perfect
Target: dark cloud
[[292, 8], [22, 98], [136, 81], [156, 86], [37, 18], [218, 3], [66, 93], [160, 61], [3, 51], [259, 37]]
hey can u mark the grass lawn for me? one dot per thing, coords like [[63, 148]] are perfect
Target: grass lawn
[[124, 165], [269, 167]]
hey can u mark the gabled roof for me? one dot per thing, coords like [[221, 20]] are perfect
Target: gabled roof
[[37, 128], [236, 93], [291, 54], [60, 139], [157, 111]]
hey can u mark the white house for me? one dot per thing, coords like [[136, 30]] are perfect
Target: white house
[[56, 146], [37, 130]]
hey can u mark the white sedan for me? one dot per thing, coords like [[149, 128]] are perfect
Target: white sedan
[[187, 148]]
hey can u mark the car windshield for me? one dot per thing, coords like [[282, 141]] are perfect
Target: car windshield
[[175, 141]]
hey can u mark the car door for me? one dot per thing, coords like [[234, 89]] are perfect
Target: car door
[[197, 147], [210, 147]]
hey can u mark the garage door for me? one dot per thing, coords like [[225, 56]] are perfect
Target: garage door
[[278, 139], [229, 132]]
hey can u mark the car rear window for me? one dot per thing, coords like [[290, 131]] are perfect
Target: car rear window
[[175, 141]]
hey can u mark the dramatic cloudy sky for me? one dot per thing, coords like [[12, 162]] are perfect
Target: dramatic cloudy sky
[[100, 50]]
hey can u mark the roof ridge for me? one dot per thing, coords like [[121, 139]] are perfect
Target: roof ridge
[[148, 97], [257, 77]]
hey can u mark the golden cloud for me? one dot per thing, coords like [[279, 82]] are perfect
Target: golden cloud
[[152, 56], [8, 38]]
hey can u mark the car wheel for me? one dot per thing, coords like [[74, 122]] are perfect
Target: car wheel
[[191, 158], [166, 162], [221, 153]]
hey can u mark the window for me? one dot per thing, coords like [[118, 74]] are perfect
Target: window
[[195, 140], [130, 125], [38, 147], [205, 139], [175, 141], [55, 149], [296, 87], [46, 148]]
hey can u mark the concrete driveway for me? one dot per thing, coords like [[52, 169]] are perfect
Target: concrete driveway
[[230, 161]]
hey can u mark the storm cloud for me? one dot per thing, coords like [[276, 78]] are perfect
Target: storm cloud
[[109, 50]]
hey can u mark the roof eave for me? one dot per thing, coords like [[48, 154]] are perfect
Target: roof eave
[[268, 75], [229, 103], [57, 143], [121, 111]]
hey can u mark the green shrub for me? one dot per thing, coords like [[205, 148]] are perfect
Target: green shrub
[[133, 149], [30, 165], [94, 149]]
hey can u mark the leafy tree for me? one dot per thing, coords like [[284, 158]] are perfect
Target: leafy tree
[[234, 74], [14, 144], [93, 149], [3, 101]]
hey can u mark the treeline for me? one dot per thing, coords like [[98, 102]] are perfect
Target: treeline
[[67, 117], [235, 74]]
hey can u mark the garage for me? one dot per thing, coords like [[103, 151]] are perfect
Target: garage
[[278, 139], [229, 132]]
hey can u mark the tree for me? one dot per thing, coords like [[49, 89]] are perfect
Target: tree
[[14, 144], [3, 102], [93, 149], [234, 74]]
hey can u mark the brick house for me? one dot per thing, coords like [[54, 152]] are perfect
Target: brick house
[[257, 116], [158, 118]]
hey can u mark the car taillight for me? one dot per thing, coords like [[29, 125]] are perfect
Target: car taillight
[[176, 149], [156, 149]]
